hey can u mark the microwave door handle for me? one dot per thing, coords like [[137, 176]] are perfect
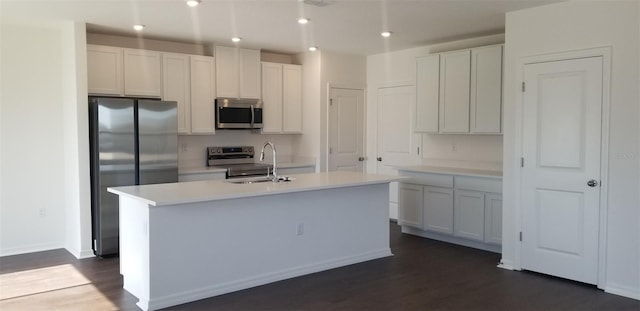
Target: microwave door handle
[[252, 116]]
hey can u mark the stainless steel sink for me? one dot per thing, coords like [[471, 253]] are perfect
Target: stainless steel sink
[[246, 181]]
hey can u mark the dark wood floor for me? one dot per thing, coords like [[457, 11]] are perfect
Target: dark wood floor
[[423, 275]]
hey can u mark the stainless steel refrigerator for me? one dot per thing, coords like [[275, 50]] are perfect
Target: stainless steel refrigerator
[[132, 142]]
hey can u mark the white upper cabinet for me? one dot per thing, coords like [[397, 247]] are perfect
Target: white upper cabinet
[[249, 85], [176, 86], [282, 98], [238, 72], [190, 81], [142, 73], [486, 89], [292, 98], [427, 93], [460, 91], [272, 98], [455, 77], [203, 94], [104, 70]]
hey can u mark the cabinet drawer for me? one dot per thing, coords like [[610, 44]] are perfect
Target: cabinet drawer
[[478, 184], [435, 180]]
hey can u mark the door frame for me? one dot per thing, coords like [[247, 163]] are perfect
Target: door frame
[[605, 53], [327, 133]]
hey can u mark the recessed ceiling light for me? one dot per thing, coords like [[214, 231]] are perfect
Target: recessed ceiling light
[[313, 48], [138, 27], [236, 39], [303, 20], [193, 3], [386, 34]]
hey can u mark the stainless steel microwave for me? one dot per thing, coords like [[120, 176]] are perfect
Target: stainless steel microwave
[[232, 113]]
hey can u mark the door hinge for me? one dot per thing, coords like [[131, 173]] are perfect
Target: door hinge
[[522, 162], [330, 101], [520, 236], [330, 150], [523, 87], [418, 150], [95, 244]]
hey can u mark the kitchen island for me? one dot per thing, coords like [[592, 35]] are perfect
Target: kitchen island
[[182, 242]]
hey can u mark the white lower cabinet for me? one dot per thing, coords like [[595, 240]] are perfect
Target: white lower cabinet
[[438, 209], [493, 218], [410, 198], [456, 209], [469, 214]]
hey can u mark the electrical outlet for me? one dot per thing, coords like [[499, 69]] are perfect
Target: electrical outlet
[[454, 148], [300, 229], [184, 147], [42, 212]]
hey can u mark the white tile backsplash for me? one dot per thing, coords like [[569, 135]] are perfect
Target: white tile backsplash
[[192, 148], [464, 151]]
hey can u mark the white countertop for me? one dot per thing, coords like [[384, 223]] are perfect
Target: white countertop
[[451, 171], [214, 169], [211, 190]]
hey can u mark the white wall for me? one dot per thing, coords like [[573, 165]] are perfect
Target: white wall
[[308, 144], [399, 68], [76, 141], [320, 71], [32, 206], [571, 26]]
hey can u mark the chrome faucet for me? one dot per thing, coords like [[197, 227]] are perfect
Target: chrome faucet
[[275, 170]]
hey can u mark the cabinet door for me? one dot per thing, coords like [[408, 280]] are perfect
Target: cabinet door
[[142, 73], [292, 98], [410, 205], [486, 89], [493, 218], [104, 70], [438, 209], [455, 74], [468, 208], [227, 75], [203, 94], [249, 70], [427, 93], [176, 87], [272, 97]]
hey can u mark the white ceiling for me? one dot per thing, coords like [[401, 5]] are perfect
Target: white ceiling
[[346, 26]]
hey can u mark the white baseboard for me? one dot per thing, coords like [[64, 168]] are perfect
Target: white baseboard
[[29, 249], [506, 264], [219, 289], [620, 290], [82, 254]]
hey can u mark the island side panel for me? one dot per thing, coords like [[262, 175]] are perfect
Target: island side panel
[[134, 248], [207, 249]]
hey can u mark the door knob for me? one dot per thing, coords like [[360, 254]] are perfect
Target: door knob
[[379, 159], [360, 159], [592, 183]]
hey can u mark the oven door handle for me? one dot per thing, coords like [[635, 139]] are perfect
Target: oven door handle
[[252, 116]]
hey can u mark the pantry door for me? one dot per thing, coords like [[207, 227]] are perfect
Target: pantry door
[[562, 134], [346, 130], [398, 144]]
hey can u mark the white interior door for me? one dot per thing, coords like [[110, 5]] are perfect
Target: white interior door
[[561, 173], [397, 142], [346, 130]]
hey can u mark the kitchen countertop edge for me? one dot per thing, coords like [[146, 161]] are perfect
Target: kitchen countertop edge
[[215, 190], [451, 171]]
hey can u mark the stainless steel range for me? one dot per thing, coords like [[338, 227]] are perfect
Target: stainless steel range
[[239, 161]]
